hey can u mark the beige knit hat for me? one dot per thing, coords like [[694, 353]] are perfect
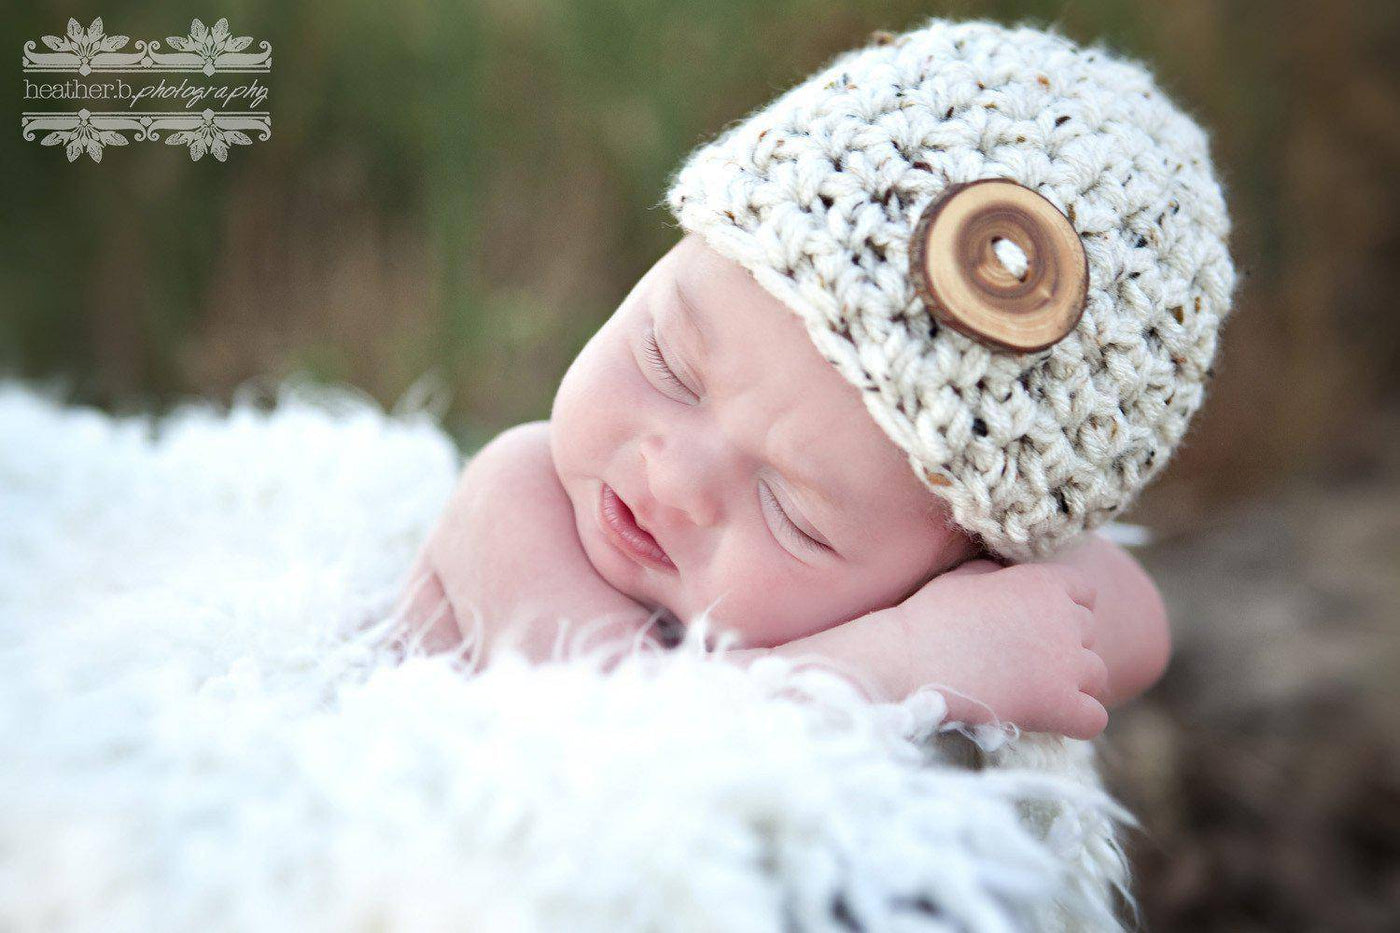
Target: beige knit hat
[[820, 193]]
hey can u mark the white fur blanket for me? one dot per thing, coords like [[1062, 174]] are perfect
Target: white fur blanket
[[203, 729]]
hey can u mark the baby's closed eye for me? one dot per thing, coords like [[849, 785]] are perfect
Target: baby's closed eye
[[663, 369], [790, 528]]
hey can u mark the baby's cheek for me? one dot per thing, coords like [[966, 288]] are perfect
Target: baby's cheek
[[762, 597], [587, 432]]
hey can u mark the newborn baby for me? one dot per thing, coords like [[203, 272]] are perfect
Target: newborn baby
[[702, 455], [736, 440]]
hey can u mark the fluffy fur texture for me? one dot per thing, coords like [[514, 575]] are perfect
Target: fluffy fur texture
[[206, 726], [818, 193]]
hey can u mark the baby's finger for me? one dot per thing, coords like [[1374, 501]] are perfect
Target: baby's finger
[[1093, 678], [1087, 634], [1078, 586], [1089, 718]]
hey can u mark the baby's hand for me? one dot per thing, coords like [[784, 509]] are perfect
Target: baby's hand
[[1017, 641]]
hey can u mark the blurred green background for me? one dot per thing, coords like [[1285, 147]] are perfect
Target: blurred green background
[[467, 190]]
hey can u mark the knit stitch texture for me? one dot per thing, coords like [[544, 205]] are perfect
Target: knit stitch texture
[[818, 192]]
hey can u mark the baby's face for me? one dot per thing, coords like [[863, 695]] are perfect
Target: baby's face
[[770, 494]]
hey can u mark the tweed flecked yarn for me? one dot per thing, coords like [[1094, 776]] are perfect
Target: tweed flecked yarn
[[817, 194]]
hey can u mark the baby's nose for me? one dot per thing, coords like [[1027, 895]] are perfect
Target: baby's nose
[[686, 476]]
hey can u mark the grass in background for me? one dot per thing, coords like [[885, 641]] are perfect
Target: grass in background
[[468, 190]]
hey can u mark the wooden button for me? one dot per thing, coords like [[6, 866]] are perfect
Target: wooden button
[[957, 273]]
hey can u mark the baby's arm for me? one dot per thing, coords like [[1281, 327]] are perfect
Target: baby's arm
[[506, 550], [1039, 644], [1006, 643]]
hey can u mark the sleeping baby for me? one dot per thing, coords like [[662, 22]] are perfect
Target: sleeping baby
[[933, 316]]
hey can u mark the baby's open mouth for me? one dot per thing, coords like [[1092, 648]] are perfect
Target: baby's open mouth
[[622, 528]]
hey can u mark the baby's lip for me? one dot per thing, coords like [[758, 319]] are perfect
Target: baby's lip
[[649, 546], [643, 523]]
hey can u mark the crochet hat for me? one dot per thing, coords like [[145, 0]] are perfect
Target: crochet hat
[[1039, 355]]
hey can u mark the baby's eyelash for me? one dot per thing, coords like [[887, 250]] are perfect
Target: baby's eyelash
[[805, 539], [653, 352]]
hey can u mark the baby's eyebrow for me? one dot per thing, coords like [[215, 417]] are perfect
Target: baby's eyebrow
[[812, 491], [692, 318], [785, 462]]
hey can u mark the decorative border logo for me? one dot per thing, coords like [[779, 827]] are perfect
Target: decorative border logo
[[205, 50]]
